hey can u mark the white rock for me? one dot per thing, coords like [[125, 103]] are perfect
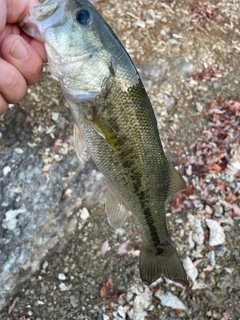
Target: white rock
[[170, 300], [141, 302], [45, 265], [55, 116], [190, 240], [196, 226], [18, 150], [208, 209], [140, 24], [199, 285], [191, 270], [217, 235], [61, 276], [62, 286], [212, 258], [11, 218], [151, 13], [84, 214], [6, 170], [199, 107], [121, 312], [199, 233]]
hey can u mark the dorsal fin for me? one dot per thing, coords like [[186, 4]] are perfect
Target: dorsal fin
[[176, 181], [115, 210]]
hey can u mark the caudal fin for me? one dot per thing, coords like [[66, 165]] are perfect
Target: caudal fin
[[165, 262]]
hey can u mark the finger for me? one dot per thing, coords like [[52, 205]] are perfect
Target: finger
[[9, 29], [3, 15], [13, 86], [17, 10], [3, 105], [37, 45], [20, 54]]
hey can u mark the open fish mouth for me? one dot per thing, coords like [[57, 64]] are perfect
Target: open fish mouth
[[41, 17]]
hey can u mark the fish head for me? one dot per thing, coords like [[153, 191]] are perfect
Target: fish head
[[75, 38]]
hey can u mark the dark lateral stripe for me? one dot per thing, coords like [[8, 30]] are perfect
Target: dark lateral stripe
[[152, 228]]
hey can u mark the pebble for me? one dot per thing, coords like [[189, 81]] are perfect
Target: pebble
[[18, 150], [212, 258], [141, 303], [62, 276], [74, 300], [151, 13], [45, 265], [62, 286], [208, 209], [217, 235], [191, 270], [199, 285], [55, 116], [84, 214], [196, 226], [140, 24], [170, 300], [11, 219], [6, 170], [121, 312], [211, 295]]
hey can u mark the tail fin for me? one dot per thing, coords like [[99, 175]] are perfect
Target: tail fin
[[165, 262]]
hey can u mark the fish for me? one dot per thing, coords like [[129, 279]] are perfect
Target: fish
[[113, 119]]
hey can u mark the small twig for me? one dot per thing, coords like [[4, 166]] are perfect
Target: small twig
[[11, 307], [198, 8]]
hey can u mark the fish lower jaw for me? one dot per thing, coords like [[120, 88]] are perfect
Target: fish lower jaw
[[61, 58]]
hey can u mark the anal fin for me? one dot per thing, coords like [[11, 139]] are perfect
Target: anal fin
[[78, 141], [116, 211]]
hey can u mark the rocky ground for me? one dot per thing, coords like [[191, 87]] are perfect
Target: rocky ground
[[188, 55]]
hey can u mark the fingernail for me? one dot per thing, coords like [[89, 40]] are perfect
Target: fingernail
[[19, 50]]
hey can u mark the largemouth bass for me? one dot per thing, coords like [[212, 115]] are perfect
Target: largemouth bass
[[114, 119]]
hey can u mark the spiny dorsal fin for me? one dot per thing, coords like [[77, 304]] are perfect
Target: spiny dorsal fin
[[176, 181], [116, 211], [78, 141], [107, 132]]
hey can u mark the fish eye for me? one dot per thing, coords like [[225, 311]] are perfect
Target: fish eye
[[83, 17]]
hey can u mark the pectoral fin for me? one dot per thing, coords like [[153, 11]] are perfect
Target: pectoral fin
[[116, 211], [107, 132], [176, 181], [78, 141]]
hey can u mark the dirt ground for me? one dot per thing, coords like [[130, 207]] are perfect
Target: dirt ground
[[188, 55]]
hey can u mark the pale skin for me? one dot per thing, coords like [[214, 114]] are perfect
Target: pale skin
[[21, 57]]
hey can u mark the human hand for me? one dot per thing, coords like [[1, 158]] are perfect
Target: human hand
[[21, 57]]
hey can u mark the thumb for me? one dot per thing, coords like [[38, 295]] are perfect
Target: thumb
[[17, 51]]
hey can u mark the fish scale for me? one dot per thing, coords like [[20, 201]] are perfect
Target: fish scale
[[114, 118]]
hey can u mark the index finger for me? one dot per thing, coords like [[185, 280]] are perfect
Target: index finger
[[17, 10], [3, 15]]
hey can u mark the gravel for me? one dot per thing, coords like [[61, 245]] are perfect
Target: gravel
[[188, 57]]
